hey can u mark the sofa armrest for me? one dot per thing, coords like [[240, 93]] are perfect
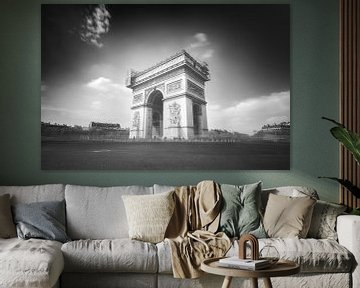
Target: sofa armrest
[[348, 230]]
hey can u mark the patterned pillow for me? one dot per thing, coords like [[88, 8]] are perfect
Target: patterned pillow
[[323, 222], [149, 215], [240, 213]]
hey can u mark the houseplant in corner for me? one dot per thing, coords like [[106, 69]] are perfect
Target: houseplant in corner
[[351, 141]]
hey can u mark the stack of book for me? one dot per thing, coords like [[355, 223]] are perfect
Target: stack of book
[[248, 264]]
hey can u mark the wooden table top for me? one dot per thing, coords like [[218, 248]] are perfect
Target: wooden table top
[[281, 268]]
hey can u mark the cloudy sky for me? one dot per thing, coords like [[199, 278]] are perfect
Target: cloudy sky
[[88, 49]]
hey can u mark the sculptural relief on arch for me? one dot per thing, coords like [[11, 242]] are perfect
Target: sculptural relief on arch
[[168, 99]]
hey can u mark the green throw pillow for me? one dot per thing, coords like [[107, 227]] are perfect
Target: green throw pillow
[[240, 213]]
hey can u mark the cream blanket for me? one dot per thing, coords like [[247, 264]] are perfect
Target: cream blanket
[[191, 231]]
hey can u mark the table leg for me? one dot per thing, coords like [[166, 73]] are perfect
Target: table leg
[[267, 283], [227, 282], [254, 282]]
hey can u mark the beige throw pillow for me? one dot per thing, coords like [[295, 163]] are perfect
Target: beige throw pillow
[[149, 215], [7, 226], [288, 217]]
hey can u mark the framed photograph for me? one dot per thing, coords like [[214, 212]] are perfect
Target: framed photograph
[[165, 87]]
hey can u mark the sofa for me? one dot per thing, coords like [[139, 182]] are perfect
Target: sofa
[[99, 252]]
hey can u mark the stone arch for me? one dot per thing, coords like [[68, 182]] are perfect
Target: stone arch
[[168, 99]]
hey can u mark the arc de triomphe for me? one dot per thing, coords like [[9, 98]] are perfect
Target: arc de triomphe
[[168, 99]]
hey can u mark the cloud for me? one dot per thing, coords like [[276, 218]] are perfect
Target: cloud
[[251, 114], [106, 85], [200, 46], [95, 23], [200, 40]]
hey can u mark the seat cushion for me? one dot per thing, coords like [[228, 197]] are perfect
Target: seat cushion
[[117, 255], [313, 255], [30, 263], [98, 213]]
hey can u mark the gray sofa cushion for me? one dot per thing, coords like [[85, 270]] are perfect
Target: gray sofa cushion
[[44, 220], [36, 193], [98, 213], [117, 255], [292, 191], [30, 263]]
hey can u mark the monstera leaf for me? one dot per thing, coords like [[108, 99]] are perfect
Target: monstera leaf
[[348, 138], [351, 141]]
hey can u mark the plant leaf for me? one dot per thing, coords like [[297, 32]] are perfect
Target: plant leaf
[[349, 139], [333, 121], [347, 184]]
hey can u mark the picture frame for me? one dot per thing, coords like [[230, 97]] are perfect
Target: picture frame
[[165, 87]]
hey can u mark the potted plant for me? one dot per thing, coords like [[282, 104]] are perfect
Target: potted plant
[[351, 141]]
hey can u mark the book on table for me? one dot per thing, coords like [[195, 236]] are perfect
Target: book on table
[[249, 264]]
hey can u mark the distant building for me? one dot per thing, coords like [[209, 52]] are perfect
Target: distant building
[[104, 126], [274, 132]]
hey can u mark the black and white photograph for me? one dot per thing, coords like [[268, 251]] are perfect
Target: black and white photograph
[[165, 87]]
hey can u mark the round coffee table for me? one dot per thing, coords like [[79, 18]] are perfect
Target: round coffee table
[[281, 268]]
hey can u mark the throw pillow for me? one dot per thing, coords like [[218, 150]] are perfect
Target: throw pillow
[[149, 215], [7, 226], [44, 220], [288, 217], [240, 213], [323, 222]]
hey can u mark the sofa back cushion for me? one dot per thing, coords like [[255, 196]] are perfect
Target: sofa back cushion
[[36, 193], [290, 191], [98, 212]]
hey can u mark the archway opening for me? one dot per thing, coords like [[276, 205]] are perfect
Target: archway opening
[[156, 108]]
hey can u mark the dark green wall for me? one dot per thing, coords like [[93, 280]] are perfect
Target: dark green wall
[[314, 93]]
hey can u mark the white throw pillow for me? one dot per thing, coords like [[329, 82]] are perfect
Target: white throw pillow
[[149, 215]]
